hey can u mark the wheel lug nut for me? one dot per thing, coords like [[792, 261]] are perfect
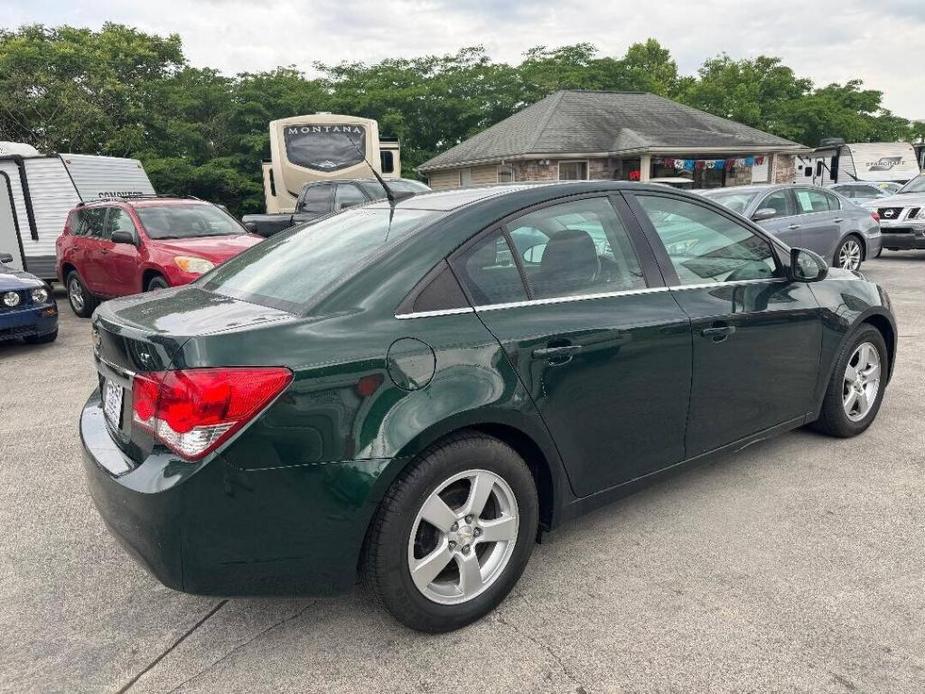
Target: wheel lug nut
[[454, 527], [452, 545], [465, 549], [478, 531], [468, 519]]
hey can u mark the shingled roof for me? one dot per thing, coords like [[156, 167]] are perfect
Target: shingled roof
[[586, 122]]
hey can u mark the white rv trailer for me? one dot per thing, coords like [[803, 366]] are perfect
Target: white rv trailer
[[37, 191], [838, 162], [320, 147]]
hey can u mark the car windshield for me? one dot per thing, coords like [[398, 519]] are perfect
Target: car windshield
[[375, 190], [292, 269], [187, 221], [737, 201], [916, 185]]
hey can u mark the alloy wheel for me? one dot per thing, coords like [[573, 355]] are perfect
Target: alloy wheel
[[76, 294], [862, 382], [849, 256], [463, 537]]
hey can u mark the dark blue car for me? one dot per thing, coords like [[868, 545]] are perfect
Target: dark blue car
[[27, 306]]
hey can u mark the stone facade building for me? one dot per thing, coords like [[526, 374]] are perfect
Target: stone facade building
[[577, 135]]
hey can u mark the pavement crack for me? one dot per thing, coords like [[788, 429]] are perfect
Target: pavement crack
[[189, 632], [545, 647], [241, 645]]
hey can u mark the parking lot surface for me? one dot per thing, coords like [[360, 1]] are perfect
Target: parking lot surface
[[795, 565]]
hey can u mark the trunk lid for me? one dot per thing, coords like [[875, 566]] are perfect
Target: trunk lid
[[146, 333]]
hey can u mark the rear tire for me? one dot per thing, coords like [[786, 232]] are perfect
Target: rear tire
[[850, 253], [839, 419], [41, 339], [156, 282], [81, 300], [475, 488]]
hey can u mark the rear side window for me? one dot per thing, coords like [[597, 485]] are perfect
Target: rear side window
[[347, 195], [90, 222], [316, 199], [810, 201], [575, 248], [487, 270]]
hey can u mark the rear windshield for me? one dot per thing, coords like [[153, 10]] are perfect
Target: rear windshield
[[290, 270], [737, 201], [186, 221]]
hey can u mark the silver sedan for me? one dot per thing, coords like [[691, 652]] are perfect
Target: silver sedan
[[808, 217]]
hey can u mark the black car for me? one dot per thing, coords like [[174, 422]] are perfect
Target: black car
[[416, 392], [324, 197]]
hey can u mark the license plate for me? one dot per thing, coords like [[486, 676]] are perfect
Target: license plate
[[112, 403]]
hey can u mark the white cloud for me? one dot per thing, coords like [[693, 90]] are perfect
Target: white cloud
[[827, 40]]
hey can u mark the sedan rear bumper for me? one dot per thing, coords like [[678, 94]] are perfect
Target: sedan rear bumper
[[212, 528]]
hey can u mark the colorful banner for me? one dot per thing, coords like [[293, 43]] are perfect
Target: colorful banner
[[710, 164]]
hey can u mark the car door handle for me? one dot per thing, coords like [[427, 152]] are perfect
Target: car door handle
[[718, 333], [794, 226], [839, 220], [556, 352]]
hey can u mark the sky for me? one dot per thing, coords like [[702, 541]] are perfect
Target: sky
[[878, 41]]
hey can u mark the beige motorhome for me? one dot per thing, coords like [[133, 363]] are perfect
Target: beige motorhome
[[319, 147]]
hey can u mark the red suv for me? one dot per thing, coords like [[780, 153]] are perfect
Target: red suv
[[125, 246]]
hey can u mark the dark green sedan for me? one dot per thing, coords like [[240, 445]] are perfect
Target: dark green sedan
[[414, 392]]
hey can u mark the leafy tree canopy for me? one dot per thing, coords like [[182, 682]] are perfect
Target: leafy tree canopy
[[122, 92]]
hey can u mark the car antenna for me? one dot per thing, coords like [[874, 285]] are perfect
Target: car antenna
[[389, 194]]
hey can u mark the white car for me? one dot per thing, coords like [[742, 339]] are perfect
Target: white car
[[902, 216]]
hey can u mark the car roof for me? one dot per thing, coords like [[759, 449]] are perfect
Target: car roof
[[458, 198], [145, 202]]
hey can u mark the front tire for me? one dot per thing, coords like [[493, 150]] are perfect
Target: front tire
[[156, 282], [453, 534], [850, 253], [81, 300], [855, 392]]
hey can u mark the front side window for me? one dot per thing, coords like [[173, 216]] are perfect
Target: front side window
[[573, 171], [779, 201], [574, 248], [705, 246], [187, 221], [487, 270], [118, 220]]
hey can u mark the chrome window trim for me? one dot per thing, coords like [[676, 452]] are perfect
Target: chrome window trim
[[438, 312], [584, 297]]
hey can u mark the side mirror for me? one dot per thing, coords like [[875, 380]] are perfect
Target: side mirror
[[6, 258], [251, 226], [764, 213], [806, 266], [120, 236]]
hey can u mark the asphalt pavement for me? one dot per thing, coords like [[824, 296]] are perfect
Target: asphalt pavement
[[796, 565]]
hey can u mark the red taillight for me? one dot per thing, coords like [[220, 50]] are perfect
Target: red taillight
[[876, 216], [193, 411]]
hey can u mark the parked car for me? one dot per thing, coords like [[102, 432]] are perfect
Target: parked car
[[324, 197], [28, 310], [862, 190], [405, 391], [902, 216], [118, 247], [808, 217]]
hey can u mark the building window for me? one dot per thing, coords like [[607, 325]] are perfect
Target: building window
[[573, 171], [505, 174]]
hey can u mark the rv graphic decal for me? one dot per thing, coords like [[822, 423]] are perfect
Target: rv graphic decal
[[325, 147], [883, 164]]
